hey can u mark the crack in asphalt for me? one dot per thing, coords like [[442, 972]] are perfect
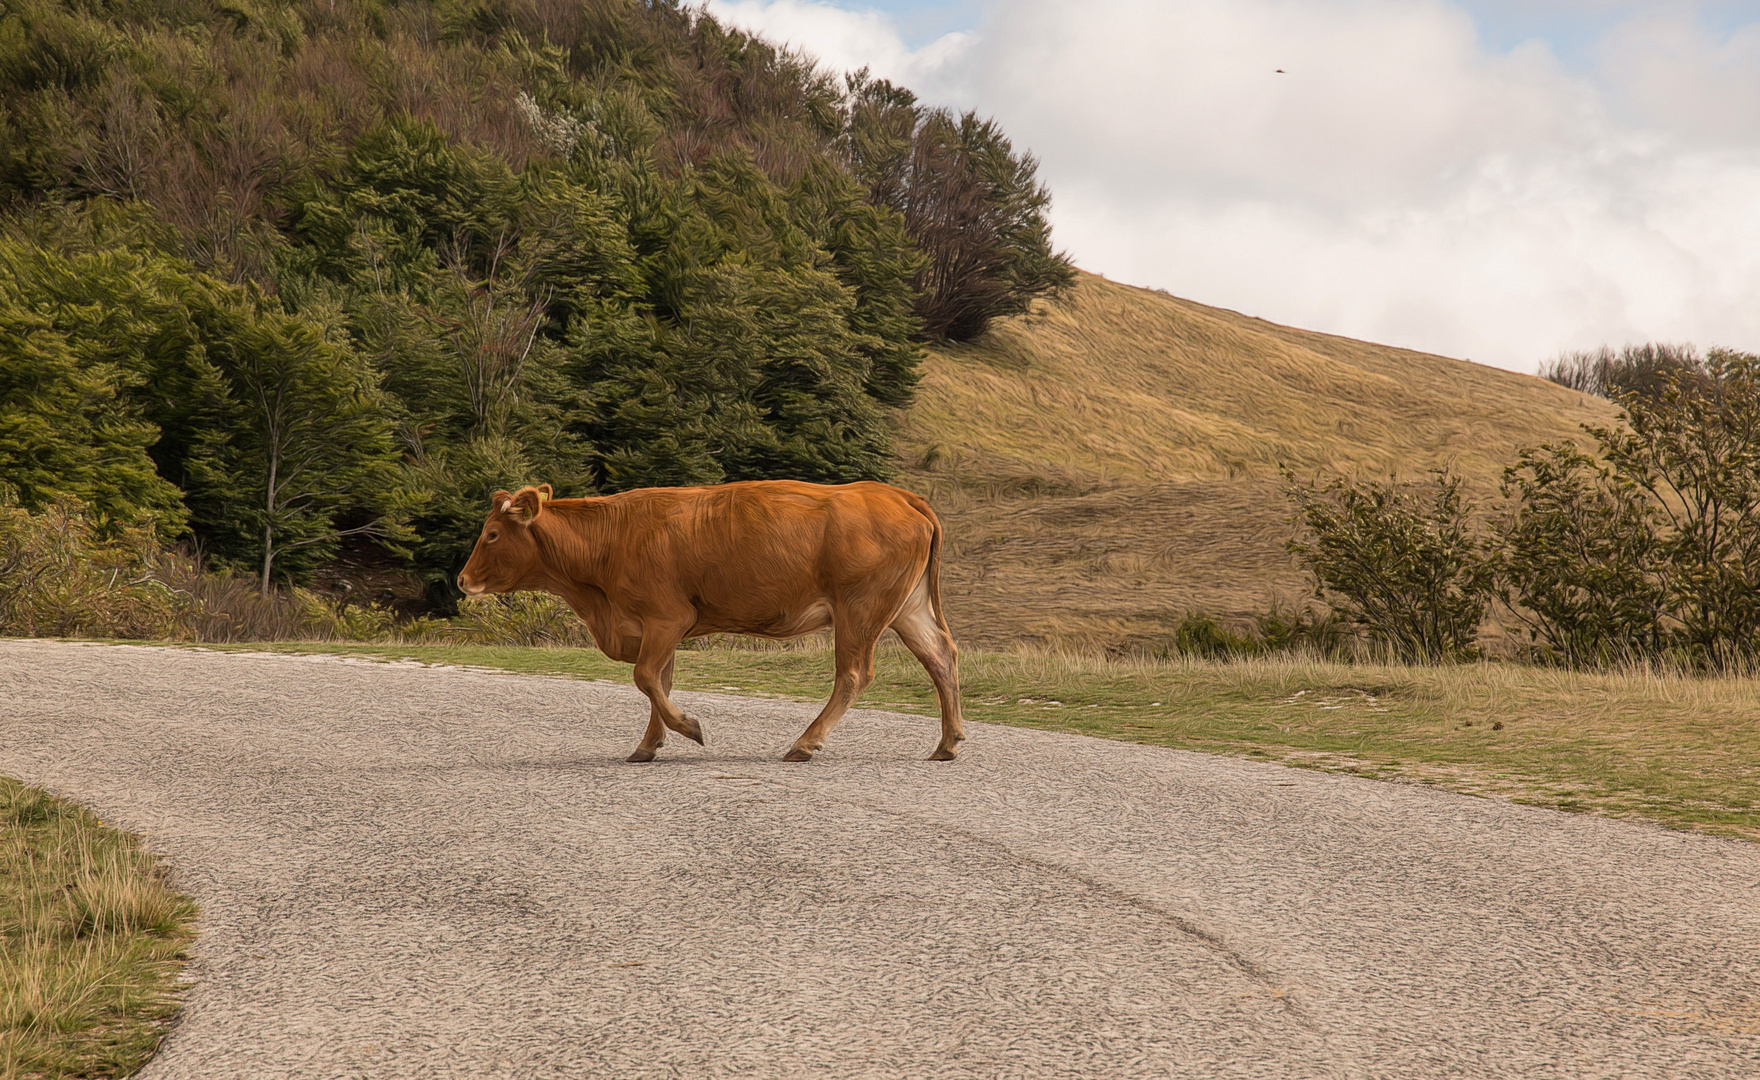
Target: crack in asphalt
[[1212, 940]]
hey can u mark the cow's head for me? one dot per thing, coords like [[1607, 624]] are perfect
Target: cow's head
[[506, 553]]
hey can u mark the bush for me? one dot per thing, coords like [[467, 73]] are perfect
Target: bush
[[1650, 551], [1312, 629], [59, 579], [1694, 449], [1397, 560], [519, 619], [1199, 634], [1280, 629], [222, 607], [1580, 562]]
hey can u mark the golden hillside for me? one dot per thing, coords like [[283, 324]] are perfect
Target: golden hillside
[[1110, 461]]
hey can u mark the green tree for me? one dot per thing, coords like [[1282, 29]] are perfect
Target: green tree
[[137, 316], [296, 450], [746, 364], [969, 201], [74, 337], [405, 192], [66, 430], [872, 256]]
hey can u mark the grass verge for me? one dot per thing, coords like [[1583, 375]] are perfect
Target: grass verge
[[1678, 750], [92, 941]]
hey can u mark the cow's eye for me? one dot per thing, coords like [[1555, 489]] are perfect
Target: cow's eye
[[493, 536]]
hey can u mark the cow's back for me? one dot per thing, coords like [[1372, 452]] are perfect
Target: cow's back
[[761, 552], [765, 526]]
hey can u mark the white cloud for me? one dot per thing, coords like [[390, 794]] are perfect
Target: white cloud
[[1664, 71], [1398, 183], [845, 40]]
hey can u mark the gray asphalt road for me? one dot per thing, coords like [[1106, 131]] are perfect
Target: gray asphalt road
[[413, 872]]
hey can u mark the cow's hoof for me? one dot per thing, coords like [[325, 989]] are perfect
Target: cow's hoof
[[690, 729], [642, 753], [797, 754], [944, 753]]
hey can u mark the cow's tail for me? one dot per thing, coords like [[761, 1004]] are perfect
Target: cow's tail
[[933, 570]]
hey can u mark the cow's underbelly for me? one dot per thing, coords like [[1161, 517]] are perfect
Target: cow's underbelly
[[770, 623]]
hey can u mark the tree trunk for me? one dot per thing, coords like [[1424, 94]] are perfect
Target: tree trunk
[[268, 556], [269, 502]]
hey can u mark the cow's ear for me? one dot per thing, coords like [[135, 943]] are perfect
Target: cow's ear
[[544, 492], [501, 501], [527, 505]]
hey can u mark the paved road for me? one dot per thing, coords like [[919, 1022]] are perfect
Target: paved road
[[415, 872]]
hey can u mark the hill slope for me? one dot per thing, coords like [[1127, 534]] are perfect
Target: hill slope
[[1110, 461]]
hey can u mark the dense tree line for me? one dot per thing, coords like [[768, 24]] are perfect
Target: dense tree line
[[274, 273]]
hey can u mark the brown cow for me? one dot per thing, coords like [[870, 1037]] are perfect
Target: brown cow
[[648, 569]]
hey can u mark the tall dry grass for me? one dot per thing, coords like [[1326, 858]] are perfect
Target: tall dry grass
[[92, 938], [59, 577]]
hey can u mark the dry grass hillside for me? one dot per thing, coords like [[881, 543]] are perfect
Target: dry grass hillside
[[1110, 461]]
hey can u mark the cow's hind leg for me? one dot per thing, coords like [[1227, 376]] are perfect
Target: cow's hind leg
[[655, 737], [855, 670], [924, 636]]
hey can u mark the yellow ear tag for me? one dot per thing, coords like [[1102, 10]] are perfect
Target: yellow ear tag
[[543, 498]]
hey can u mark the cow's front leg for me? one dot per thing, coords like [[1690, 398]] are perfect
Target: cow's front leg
[[655, 737], [653, 677]]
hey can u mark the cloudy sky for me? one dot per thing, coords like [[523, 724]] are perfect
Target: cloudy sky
[[1491, 179]]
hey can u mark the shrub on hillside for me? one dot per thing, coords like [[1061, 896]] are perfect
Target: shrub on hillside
[[1694, 450], [1201, 634], [1306, 628], [1648, 551], [1309, 629], [1397, 560], [1579, 560]]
